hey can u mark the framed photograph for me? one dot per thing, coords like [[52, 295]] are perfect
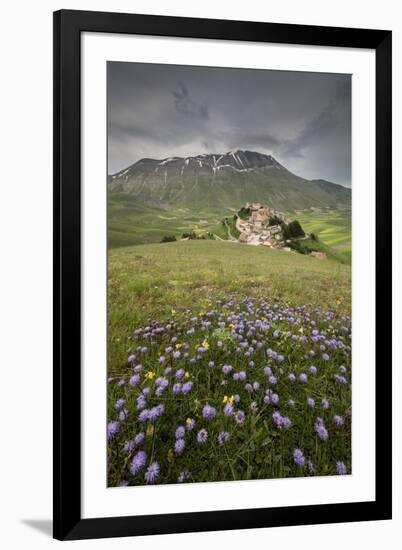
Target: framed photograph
[[222, 218]]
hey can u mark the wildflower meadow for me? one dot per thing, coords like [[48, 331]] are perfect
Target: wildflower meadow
[[231, 385]]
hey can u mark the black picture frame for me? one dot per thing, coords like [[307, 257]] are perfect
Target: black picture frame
[[68, 26]]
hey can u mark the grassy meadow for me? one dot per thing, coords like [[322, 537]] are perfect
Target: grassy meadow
[[226, 362]]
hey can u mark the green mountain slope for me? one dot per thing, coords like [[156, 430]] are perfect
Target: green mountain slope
[[223, 181]]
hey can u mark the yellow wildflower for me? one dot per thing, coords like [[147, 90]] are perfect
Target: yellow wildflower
[[170, 455], [173, 311], [205, 344], [186, 375], [178, 346], [229, 400], [150, 375]]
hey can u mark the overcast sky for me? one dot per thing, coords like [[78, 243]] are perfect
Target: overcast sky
[[302, 119]]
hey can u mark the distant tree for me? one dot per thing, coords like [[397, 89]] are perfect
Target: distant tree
[[244, 213], [314, 236], [293, 230], [168, 239], [274, 221]]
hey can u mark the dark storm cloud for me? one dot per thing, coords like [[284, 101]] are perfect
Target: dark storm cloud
[[303, 119], [185, 105], [332, 120]]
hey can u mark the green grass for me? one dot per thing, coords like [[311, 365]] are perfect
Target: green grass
[[130, 223], [333, 227], [150, 280]]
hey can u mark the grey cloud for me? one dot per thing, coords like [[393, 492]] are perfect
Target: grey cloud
[[249, 140], [303, 119], [187, 106], [325, 123]]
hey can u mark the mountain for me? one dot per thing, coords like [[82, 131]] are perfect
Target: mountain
[[221, 181]]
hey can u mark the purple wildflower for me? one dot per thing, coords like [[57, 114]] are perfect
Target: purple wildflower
[[156, 412], [239, 417], [152, 472], [123, 414], [138, 462], [299, 458], [180, 432], [187, 387], [119, 404], [128, 446], [143, 416], [341, 469], [228, 409], [226, 369], [338, 420], [340, 379], [183, 476], [139, 439], [202, 436], [179, 446], [223, 437], [286, 422], [303, 378], [112, 430], [134, 380], [208, 412], [190, 423], [321, 429], [274, 398], [179, 374]]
